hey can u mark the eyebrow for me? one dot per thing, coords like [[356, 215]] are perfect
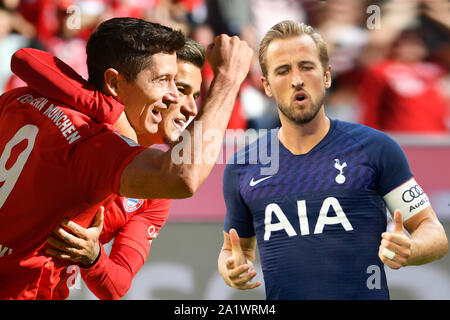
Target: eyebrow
[[307, 62], [161, 76], [284, 66], [183, 84], [287, 66]]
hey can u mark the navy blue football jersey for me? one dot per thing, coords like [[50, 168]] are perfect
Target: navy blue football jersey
[[318, 220]]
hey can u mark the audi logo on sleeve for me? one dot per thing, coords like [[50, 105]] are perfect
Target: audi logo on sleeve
[[408, 197], [412, 193]]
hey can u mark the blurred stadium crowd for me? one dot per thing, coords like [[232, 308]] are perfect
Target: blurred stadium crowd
[[390, 58]]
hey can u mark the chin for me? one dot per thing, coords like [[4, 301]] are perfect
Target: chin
[[151, 129], [173, 138]]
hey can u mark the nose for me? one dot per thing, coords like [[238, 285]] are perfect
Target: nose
[[189, 109], [297, 80], [171, 95]]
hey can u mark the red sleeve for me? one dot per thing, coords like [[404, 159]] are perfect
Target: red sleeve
[[111, 277], [370, 97], [51, 77]]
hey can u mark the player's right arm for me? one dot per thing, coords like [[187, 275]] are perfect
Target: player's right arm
[[236, 260], [154, 174], [237, 256], [370, 95]]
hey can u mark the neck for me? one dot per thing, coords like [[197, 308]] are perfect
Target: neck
[[301, 138]]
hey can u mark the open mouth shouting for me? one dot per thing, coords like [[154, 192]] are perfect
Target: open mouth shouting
[[300, 97], [156, 115]]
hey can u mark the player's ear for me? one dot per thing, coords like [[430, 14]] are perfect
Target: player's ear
[[112, 82], [266, 86], [327, 77]]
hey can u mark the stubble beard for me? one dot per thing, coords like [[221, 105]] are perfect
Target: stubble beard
[[303, 117]]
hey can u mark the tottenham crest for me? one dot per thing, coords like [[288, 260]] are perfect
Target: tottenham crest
[[340, 178]]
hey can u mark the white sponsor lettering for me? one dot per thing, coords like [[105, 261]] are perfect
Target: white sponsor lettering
[[340, 217], [324, 219], [63, 123], [283, 223]]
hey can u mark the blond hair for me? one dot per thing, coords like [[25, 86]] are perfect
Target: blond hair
[[289, 29]]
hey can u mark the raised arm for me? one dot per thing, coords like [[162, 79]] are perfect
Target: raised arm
[[154, 174]]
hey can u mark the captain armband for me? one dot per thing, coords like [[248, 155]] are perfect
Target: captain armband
[[409, 198]]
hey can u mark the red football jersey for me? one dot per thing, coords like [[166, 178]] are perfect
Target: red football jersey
[[55, 163], [133, 223]]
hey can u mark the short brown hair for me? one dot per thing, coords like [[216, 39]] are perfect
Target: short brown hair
[[289, 29], [192, 52], [126, 44]]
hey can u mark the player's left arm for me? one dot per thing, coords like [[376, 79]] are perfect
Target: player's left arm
[[411, 210]]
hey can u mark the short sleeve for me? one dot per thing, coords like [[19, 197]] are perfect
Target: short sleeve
[[391, 163], [396, 183], [238, 215]]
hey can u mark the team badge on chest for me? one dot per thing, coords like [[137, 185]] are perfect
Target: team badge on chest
[[340, 178], [131, 205]]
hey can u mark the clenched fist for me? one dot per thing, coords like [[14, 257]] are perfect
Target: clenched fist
[[230, 56]]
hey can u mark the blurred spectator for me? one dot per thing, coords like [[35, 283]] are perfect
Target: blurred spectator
[[42, 15], [205, 35], [11, 41], [19, 24], [260, 111], [342, 25], [355, 50], [266, 13], [65, 44], [229, 16], [403, 93], [196, 11]]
